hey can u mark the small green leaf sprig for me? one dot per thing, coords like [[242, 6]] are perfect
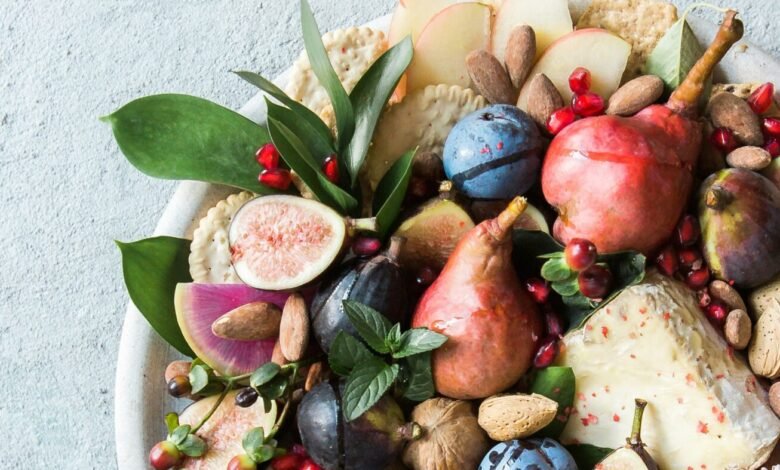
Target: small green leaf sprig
[[385, 357]]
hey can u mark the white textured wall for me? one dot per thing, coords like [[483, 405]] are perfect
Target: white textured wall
[[66, 192]]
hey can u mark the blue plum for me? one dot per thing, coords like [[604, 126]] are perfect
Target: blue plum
[[494, 153], [536, 454]]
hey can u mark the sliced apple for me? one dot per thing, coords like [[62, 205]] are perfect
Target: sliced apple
[[550, 20], [411, 16], [598, 50], [441, 50]]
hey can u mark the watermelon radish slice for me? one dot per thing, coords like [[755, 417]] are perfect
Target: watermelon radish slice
[[284, 242], [199, 305]]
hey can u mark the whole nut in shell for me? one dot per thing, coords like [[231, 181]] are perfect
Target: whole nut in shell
[[764, 350], [726, 110], [490, 78], [251, 322], [543, 99], [294, 328], [520, 54], [738, 329], [764, 298], [635, 95], [506, 417], [724, 292], [749, 158]]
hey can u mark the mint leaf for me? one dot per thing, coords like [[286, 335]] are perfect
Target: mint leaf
[[171, 422], [264, 374], [193, 446], [199, 378], [345, 353], [179, 434], [417, 377], [253, 440], [366, 385], [371, 325], [393, 340], [558, 384], [391, 191], [556, 270], [273, 389], [419, 340], [568, 287]]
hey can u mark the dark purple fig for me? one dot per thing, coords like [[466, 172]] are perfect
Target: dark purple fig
[[739, 212], [773, 172], [372, 441], [377, 282]]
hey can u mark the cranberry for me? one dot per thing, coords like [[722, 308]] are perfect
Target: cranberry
[[425, 277], [589, 104], [771, 127], [698, 278], [690, 258], [179, 386], [579, 81], [276, 178], [268, 156], [761, 98], [688, 231], [717, 313], [559, 119], [595, 282], [704, 297], [241, 462], [539, 289], [772, 146], [366, 246], [580, 254], [164, 455], [724, 140], [554, 323], [667, 261], [546, 353], [331, 169], [309, 465], [290, 461], [246, 397]]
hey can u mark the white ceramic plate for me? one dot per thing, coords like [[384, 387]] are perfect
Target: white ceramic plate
[[140, 397]]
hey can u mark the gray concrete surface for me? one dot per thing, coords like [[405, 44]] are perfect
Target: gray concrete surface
[[66, 191]]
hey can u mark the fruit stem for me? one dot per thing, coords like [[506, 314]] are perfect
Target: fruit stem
[[636, 428], [717, 198], [503, 224], [287, 404], [685, 99], [394, 250], [228, 388], [367, 224], [410, 432]]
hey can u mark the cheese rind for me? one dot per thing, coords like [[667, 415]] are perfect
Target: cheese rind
[[706, 407]]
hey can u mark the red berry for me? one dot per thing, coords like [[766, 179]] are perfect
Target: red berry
[[546, 353], [589, 104], [291, 461], [667, 261], [538, 288], [698, 278], [298, 449], [164, 455], [366, 246], [268, 156], [690, 258], [241, 462], [704, 297], [772, 146], [717, 313], [595, 282], [579, 81], [724, 140], [580, 254], [761, 99], [277, 178], [331, 169], [771, 127], [559, 119], [688, 231], [554, 323], [309, 465], [425, 277]]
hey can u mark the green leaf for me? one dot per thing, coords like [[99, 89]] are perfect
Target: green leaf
[[567, 287], [419, 340], [369, 99], [318, 148], [171, 422], [263, 453], [274, 389], [371, 325], [393, 339], [417, 377], [558, 384], [182, 137], [264, 374], [323, 69], [254, 439], [675, 55], [298, 157], [366, 385], [345, 353], [199, 378], [528, 247], [310, 117], [586, 455], [556, 270], [179, 434], [390, 192], [152, 268], [193, 446]]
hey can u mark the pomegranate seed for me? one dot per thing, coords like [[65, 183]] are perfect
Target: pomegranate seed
[[589, 104], [772, 146], [287, 462], [724, 140], [704, 297], [579, 81], [688, 231], [298, 449], [771, 127], [761, 99], [667, 261], [538, 288], [690, 258], [309, 465], [595, 282], [546, 353], [580, 254], [268, 156], [425, 277], [559, 119], [554, 322], [276, 178], [717, 313], [698, 278], [331, 169], [366, 246]]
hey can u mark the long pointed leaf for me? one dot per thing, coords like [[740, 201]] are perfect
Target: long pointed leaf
[[319, 149], [391, 191]]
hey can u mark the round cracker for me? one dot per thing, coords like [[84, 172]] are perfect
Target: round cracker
[[210, 250]]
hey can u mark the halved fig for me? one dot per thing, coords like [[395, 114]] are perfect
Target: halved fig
[[198, 306], [284, 242]]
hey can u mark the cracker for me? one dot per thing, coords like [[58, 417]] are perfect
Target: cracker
[[210, 250], [423, 119], [351, 51], [744, 90], [640, 22]]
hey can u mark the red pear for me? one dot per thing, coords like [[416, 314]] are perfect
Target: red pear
[[623, 183], [478, 302]]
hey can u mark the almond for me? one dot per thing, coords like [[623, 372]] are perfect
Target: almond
[[277, 357], [251, 322], [764, 350], [294, 328], [635, 95], [506, 417], [543, 99], [733, 113], [738, 329], [520, 54], [749, 158], [490, 78], [724, 292], [314, 376]]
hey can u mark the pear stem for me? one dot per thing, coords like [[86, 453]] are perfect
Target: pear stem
[[717, 198], [505, 221], [394, 250], [685, 99], [636, 428]]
